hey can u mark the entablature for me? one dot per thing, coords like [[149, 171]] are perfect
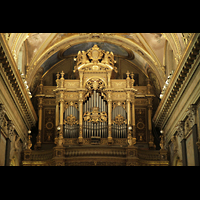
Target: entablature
[[186, 65], [15, 85]]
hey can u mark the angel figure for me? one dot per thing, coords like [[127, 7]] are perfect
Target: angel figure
[[84, 58], [106, 58]]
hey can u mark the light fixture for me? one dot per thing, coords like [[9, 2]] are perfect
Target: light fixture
[[129, 128], [58, 128], [29, 132]]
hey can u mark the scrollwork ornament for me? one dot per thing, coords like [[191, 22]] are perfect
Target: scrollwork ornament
[[95, 116], [11, 128], [2, 113], [192, 114], [71, 120], [119, 120]]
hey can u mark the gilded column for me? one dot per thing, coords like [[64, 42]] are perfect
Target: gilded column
[[80, 138], [57, 117], [61, 111], [39, 136], [133, 116], [61, 102], [40, 106], [128, 98], [151, 139], [57, 113], [109, 100], [128, 107]]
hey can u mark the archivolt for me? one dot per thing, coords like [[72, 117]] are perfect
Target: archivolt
[[82, 38]]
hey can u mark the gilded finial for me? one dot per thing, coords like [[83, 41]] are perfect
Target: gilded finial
[[62, 74], [132, 75], [133, 81], [58, 75], [128, 74]]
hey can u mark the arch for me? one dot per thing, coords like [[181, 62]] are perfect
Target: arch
[[82, 38]]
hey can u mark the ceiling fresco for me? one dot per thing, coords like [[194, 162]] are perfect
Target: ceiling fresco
[[145, 50], [102, 45]]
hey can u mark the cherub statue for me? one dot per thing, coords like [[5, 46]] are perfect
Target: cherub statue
[[84, 58], [106, 58]]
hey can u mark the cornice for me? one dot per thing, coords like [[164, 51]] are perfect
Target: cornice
[[14, 78], [182, 70]]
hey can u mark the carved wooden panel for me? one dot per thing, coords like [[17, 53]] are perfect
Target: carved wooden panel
[[118, 84], [141, 126], [49, 125], [49, 101], [71, 96], [121, 96], [71, 84]]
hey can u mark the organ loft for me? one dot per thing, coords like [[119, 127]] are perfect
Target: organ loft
[[99, 99], [95, 119]]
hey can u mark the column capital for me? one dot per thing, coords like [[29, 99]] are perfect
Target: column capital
[[181, 130], [11, 128], [192, 114]]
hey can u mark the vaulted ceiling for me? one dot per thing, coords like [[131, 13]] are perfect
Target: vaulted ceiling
[[147, 51]]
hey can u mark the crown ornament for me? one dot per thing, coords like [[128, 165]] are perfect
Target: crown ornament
[[95, 59]]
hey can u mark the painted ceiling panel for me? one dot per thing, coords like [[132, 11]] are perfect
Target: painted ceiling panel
[[148, 48], [157, 43]]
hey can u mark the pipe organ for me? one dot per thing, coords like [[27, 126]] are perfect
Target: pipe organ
[[119, 125], [77, 115], [96, 106]]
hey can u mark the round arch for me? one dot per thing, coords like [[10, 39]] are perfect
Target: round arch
[[82, 38]]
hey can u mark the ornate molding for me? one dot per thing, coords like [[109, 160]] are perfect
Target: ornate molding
[[95, 116], [181, 130], [95, 59], [71, 120], [192, 114], [119, 120], [11, 73], [11, 128], [179, 76], [2, 114]]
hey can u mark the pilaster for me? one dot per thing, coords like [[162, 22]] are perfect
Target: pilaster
[[181, 134]]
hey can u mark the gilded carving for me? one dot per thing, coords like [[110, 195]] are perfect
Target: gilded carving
[[140, 125], [119, 103], [49, 125], [71, 120], [95, 116], [119, 120], [71, 103], [95, 59], [95, 84]]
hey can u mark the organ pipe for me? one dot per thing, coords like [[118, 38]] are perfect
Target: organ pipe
[[119, 131]]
